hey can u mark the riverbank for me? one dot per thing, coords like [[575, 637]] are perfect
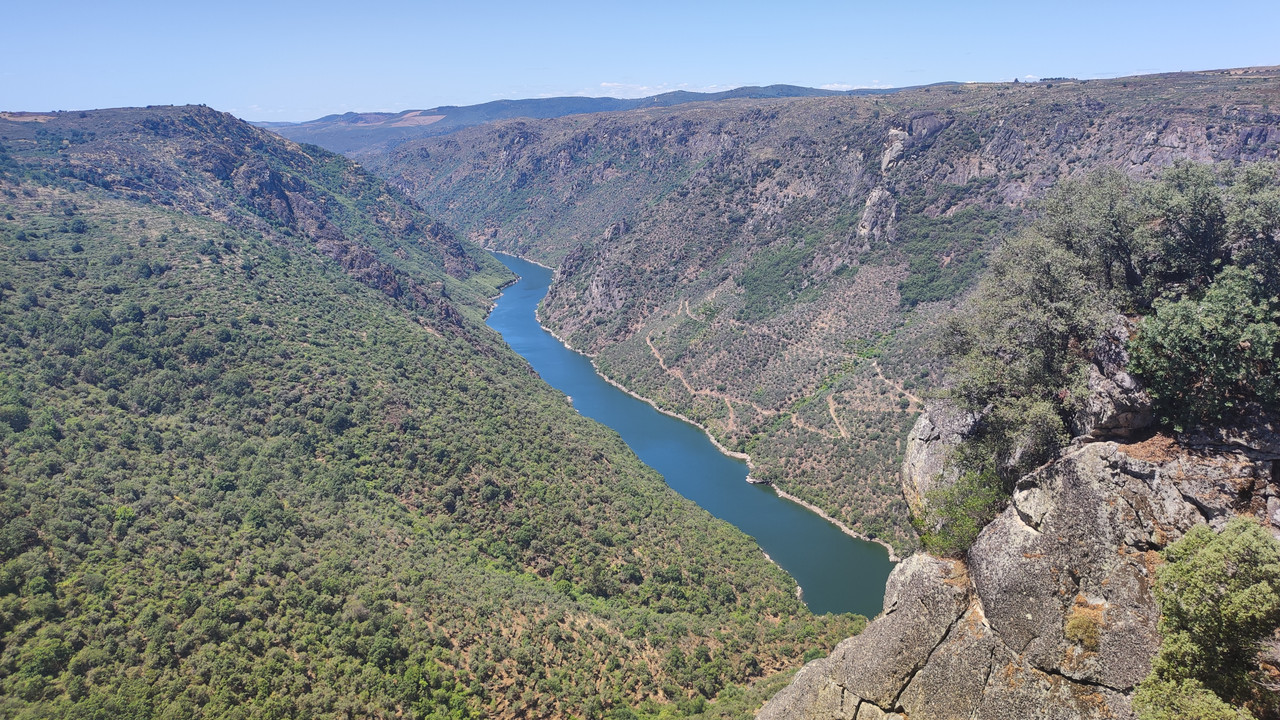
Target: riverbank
[[893, 555], [518, 257], [670, 413]]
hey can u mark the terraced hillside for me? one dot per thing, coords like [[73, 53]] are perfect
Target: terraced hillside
[[774, 268], [259, 457]]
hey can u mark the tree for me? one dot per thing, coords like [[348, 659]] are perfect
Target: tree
[[1202, 360], [1013, 353], [1098, 219], [1189, 218], [1253, 221], [1219, 595]]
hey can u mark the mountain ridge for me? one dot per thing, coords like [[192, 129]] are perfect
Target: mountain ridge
[[363, 133]]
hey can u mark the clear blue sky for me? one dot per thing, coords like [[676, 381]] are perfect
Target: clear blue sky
[[297, 61]]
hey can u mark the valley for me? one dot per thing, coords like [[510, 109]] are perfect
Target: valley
[[289, 434], [776, 269], [259, 457]]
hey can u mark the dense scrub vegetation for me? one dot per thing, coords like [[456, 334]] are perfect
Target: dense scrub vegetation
[[204, 162], [1219, 596], [1192, 256], [238, 479], [945, 253]]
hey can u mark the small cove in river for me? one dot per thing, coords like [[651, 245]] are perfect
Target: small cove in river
[[838, 573]]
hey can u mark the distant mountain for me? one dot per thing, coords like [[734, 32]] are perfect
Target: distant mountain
[[357, 134]]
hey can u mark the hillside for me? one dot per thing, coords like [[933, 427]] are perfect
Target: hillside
[[775, 268], [201, 162], [1100, 489], [259, 457], [373, 133]]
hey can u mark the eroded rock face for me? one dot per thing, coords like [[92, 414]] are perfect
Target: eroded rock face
[[1256, 432], [1052, 616], [1076, 547], [938, 429], [878, 217], [923, 599], [1117, 406]]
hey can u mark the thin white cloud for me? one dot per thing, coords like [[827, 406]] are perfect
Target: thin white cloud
[[842, 87]]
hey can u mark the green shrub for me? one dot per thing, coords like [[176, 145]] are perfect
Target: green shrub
[[1201, 360], [945, 254], [1084, 628], [1219, 595], [15, 416], [955, 515], [1185, 700]]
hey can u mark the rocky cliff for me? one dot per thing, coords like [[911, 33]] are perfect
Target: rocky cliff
[[1051, 615], [197, 161]]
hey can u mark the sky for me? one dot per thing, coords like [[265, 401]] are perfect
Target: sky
[[293, 61]]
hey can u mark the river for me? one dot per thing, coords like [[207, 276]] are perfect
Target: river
[[838, 573]]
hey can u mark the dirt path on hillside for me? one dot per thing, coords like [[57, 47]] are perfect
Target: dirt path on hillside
[[733, 417], [896, 385], [831, 407], [679, 375], [795, 420]]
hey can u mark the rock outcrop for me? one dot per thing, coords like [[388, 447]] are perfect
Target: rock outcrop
[[938, 429], [1117, 406], [1052, 614], [878, 216]]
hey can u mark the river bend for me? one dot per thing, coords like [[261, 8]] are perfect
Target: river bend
[[838, 573]]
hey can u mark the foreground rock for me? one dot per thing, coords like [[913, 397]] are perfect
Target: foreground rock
[[1052, 616]]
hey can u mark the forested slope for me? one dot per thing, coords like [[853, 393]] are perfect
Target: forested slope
[[775, 268], [260, 458]]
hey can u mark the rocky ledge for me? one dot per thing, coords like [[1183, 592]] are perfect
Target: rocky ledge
[[1051, 615]]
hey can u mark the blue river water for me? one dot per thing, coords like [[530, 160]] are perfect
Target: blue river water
[[838, 573]]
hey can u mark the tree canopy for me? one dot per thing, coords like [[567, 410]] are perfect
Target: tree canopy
[[1191, 257], [1219, 595]]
